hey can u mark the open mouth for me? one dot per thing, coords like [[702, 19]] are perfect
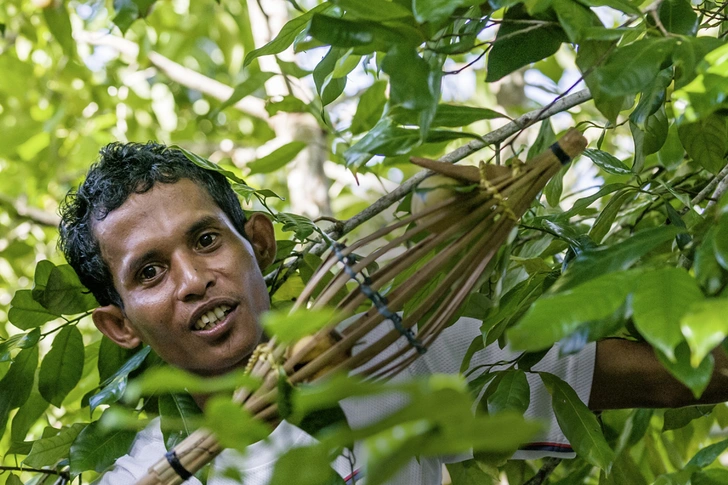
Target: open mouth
[[213, 317]]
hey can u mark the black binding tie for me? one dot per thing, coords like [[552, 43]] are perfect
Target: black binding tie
[[563, 157], [379, 301], [174, 462]]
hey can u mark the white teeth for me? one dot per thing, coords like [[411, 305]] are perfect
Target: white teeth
[[210, 319]]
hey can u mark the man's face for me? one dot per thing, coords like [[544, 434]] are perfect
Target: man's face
[[191, 285]]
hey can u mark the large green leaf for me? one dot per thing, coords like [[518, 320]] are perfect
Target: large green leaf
[[16, 385], [178, 413], [513, 393], [660, 300], [720, 241], [289, 327], [578, 424], [379, 10], [704, 327], [287, 34], [111, 357], [713, 476], [113, 388], [651, 98], [706, 141], [64, 294], [607, 162], [233, 425], [409, 76], [370, 108], [621, 256], [435, 11], [27, 313], [575, 18], [695, 378], [317, 471], [96, 448], [62, 366], [519, 43], [277, 159], [591, 55], [678, 17], [630, 69], [56, 16], [27, 415], [555, 316], [707, 455], [608, 215], [19, 340], [47, 451]]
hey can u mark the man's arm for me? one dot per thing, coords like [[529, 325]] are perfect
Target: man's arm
[[627, 374]]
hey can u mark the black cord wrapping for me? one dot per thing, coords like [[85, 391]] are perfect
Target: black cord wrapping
[[174, 462], [379, 301], [563, 157]]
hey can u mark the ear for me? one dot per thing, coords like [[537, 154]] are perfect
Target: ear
[[261, 235], [110, 320]]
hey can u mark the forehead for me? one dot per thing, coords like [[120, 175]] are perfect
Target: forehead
[[154, 218]]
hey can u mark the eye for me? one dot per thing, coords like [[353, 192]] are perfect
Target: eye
[[148, 272], [207, 239]]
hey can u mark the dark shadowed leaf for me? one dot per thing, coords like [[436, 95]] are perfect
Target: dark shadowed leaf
[[518, 44], [707, 455], [713, 476], [16, 385], [96, 448], [178, 414], [379, 10], [631, 68], [47, 451], [578, 424], [681, 417], [113, 388], [678, 17], [26, 313], [720, 242], [513, 393], [696, 378], [607, 216], [370, 107], [27, 415], [651, 98], [62, 366]]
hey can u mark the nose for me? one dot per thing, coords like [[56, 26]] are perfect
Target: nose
[[193, 278]]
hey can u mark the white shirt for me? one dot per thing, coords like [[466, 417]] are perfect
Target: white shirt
[[444, 356]]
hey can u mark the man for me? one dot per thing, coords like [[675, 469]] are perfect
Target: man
[[168, 253]]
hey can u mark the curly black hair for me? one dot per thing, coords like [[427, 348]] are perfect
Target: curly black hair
[[124, 169]]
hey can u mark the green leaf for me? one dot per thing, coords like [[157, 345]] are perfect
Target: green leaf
[[113, 388], [26, 313], [591, 55], [607, 216], [16, 385], [607, 162], [621, 5], [254, 82], [277, 159], [300, 225], [678, 17], [585, 202], [555, 187], [713, 476], [631, 68], [681, 417], [378, 10], [288, 104], [618, 257], [513, 393], [96, 448], [177, 413], [704, 327], [27, 415], [555, 316], [62, 366], [705, 141], [435, 11], [47, 452], [720, 241], [329, 87], [408, 79], [19, 340], [454, 116], [661, 298], [287, 34], [370, 107], [469, 472], [317, 471], [64, 294], [111, 357], [696, 379], [206, 164], [166, 379], [290, 327], [518, 43], [575, 19], [338, 32], [656, 130], [578, 424], [13, 480], [234, 426], [59, 24], [651, 99], [707, 455]]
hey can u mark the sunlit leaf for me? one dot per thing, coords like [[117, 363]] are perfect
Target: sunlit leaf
[[370, 107], [96, 448], [695, 378], [607, 162], [513, 393], [704, 327], [47, 451], [661, 298], [234, 426], [277, 159], [25, 312], [706, 141], [289, 327]]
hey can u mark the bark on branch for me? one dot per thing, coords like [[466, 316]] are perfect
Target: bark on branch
[[21, 209]]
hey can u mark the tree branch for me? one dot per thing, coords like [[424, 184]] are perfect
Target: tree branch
[[188, 78], [549, 465], [64, 475], [21, 208]]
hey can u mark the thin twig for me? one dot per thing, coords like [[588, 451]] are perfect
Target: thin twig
[[64, 475], [547, 469]]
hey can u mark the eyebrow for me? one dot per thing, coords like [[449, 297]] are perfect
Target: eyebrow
[[201, 224]]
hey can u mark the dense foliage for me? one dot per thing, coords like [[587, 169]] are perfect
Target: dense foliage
[[632, 240]]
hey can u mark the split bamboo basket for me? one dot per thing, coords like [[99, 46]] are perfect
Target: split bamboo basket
[[447, 251]]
